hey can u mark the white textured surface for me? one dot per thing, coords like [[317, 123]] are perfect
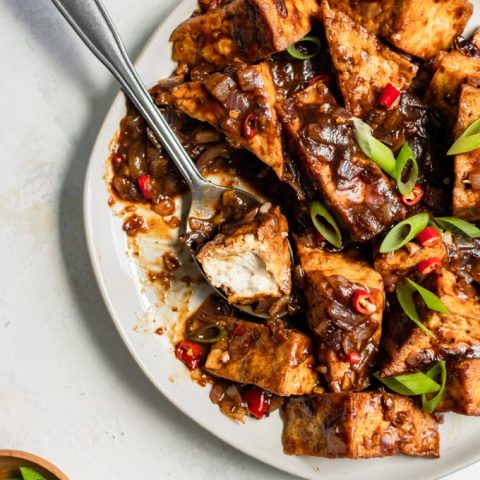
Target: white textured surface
[[69, 390]]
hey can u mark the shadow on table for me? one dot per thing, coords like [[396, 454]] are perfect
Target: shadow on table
[[80, 274]]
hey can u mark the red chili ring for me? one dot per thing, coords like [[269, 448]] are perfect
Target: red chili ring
[[257, 401], [429, 237], [144, 184], [429, 265], [190, 353], [388, 96], [413, 197], [353, 358], [364, 302], [249, 126]]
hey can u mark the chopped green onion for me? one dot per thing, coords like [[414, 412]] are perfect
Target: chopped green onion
[[328, 228], [405, 293], [430, 405], [295, 53], [29, 474], [468, 141], [430, 299], [459, 225], [410, 384], [404, 232], [373, 148], [209, 334], [406, 161]]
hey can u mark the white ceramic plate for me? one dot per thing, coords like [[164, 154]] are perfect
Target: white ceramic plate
[[136, 312]]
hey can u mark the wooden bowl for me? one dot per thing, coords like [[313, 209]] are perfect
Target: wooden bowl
[[11, 460]]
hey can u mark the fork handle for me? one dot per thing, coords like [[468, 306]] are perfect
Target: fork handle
[[92, 23]]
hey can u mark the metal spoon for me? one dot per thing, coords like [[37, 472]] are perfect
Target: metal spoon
[[91, 21]]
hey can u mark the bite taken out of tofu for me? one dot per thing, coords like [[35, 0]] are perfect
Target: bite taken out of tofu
[[466, 191], [250, 260], [249, 30], [274, 358], [358, 425], [346, 341], [363, 64], [359, 194], [240, 104]]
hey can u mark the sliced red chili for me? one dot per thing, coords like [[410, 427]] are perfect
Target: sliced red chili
[[257, 401], [429, 265], [250, 126], [429, 237], [144, 182], [364, 302], [413, 197], [388, 96], [190, 353], [353, 358], [117, 160], [326, 79]]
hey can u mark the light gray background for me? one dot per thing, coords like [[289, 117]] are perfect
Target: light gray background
[[69, 390]]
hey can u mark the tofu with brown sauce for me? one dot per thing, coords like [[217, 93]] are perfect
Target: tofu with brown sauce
[[361, 197], [462, 391], [466, 191], [358, 425], [331, 280], [364, 66], [249, 30], [240, 104], [456, 334], [403, 262], [452, 70], [250, 260], [270, 356]]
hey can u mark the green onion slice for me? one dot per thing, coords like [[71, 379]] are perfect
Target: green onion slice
[[410, 384], [29, 474], [430, 299], [209, 334], [315, 50], [406, 165], [373, 148], [325, 224], [459, 225], [468, 141], [439, 369], [404, 232]]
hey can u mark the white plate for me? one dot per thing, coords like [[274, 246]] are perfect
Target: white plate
[[135, 310]]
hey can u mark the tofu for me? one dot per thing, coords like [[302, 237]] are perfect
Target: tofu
[[358, 425], [423, 28], [203, 101], [248, 30], [250, 262], [452, 70], [331, 280], [403, 262], [456, 334], [466, 197], [462, 391], [270, 356], [363, 64], [358, 193]]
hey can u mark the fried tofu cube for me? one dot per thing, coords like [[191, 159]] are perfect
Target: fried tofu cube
[[363, 64], [250, 262], [423, 28], [249, 30], [270, 356], [358, 425], [452, 70], [359, 194], [462, 391], [456, 334], [466, 191], [399, 264], [331, 281], [221, 102]]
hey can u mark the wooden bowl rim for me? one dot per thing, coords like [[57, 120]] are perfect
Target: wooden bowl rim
[[35, 459]]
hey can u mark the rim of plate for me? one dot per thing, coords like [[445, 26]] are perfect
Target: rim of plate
[[98, 155]]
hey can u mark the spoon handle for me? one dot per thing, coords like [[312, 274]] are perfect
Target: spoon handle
[[91, 21]]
